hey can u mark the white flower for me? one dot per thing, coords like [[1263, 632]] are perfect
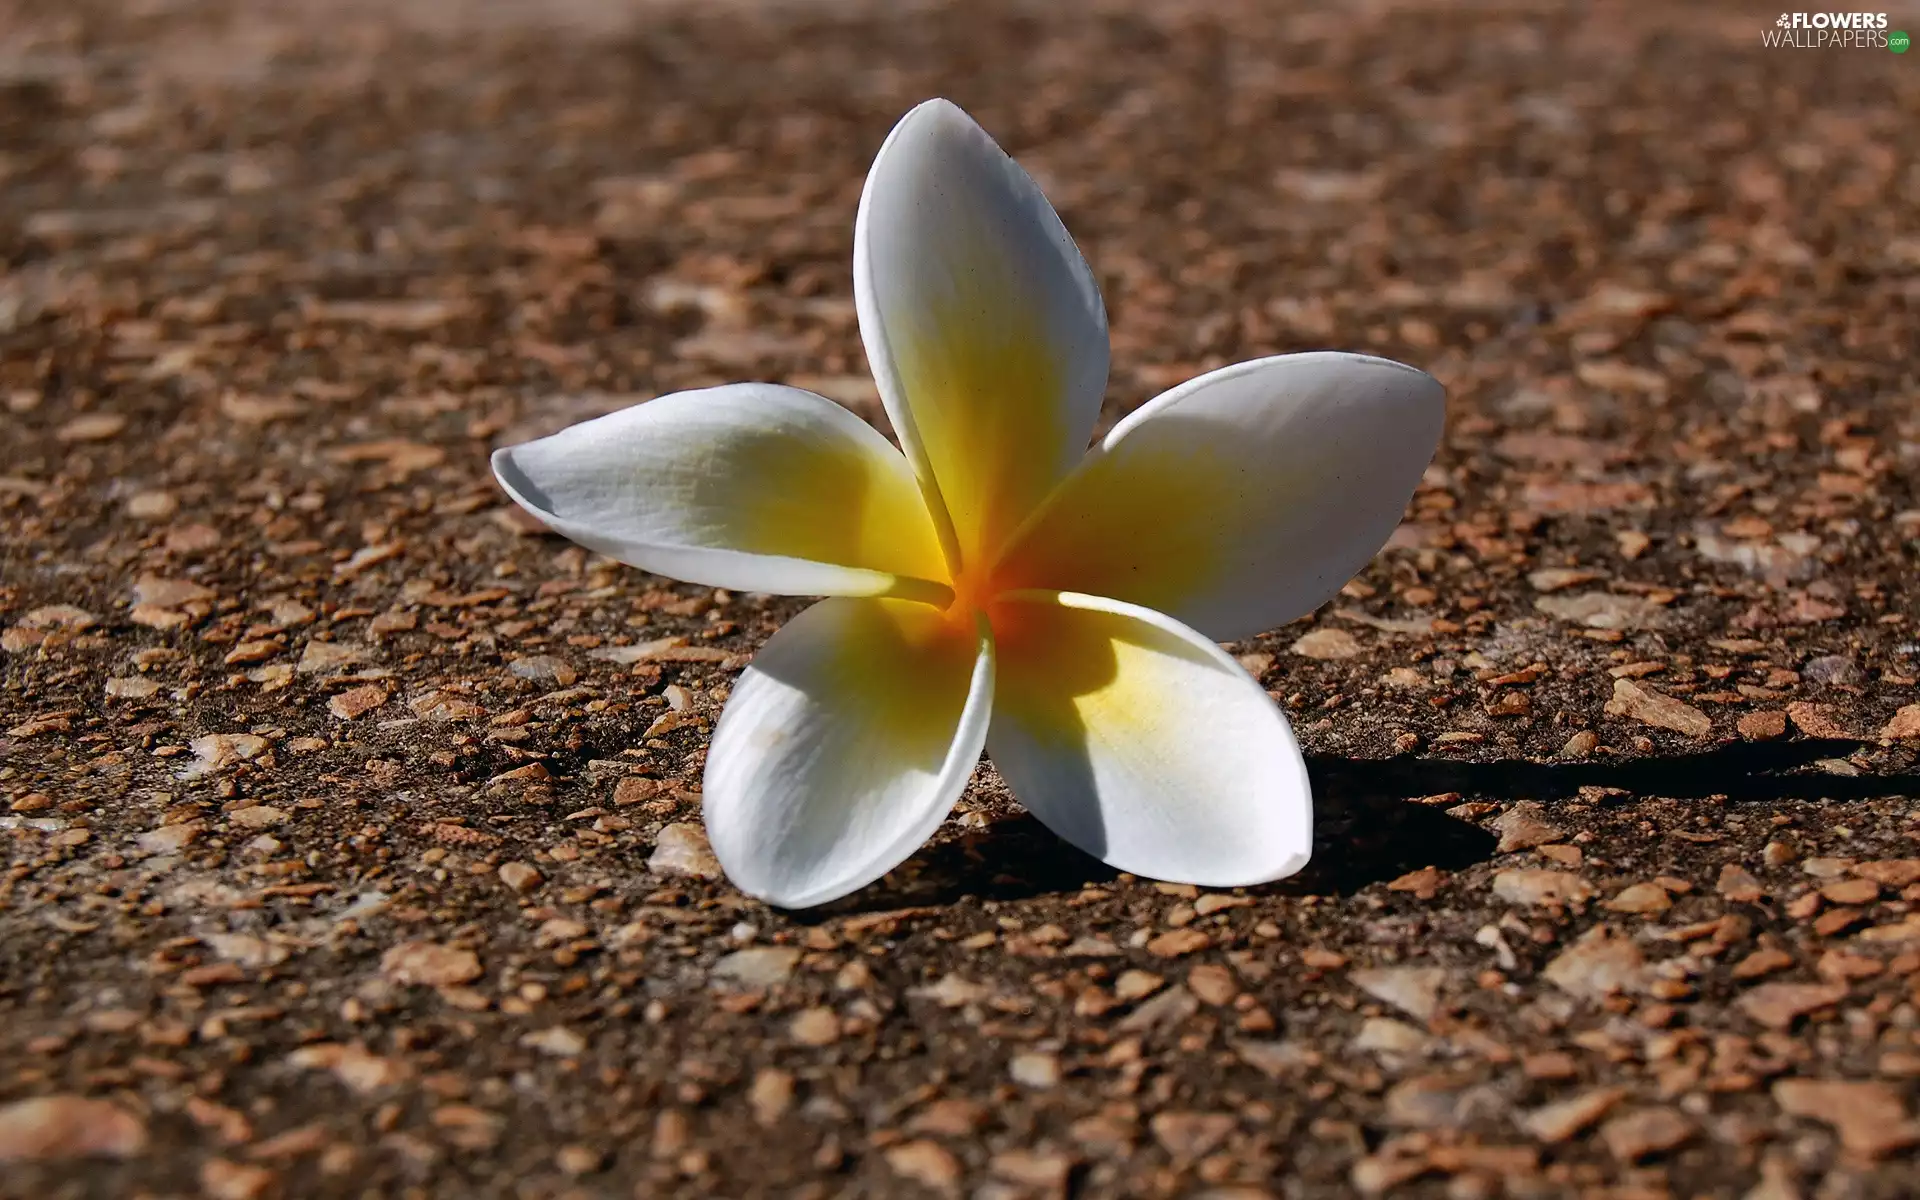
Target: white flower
[[995, 587]]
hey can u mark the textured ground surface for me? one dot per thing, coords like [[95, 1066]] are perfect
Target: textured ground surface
[[339, 808]]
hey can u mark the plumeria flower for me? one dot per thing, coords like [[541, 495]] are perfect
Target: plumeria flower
[[995, 587]]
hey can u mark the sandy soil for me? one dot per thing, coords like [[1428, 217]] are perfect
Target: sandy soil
[[351, 825]]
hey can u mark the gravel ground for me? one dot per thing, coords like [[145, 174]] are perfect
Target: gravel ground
[[351, 825]]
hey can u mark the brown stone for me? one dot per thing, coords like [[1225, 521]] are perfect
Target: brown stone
[[1521, 828], [1871, 1118], [1738, 884], [1554, 579], [1044, 1171], [1645, 1132], [1562, 1119], [1580, 744], [771, 1095], [682, 849], [223, 1180], [1851, 891], [1814, 721], [430, 964], [1423, 883], [1034, 1069], [815, 1027], [926, 1163], [170, 593], [468, 1127], [353, 1065], [1381, 1174], [635, 789], [1177, 942], [92, 427], [1762, 962], [1190, 1135], [1327, 644], [1550, 1064], [218, 751], [1536, 887], [1840, 967], [1604, 610], [1836, 921], [1891, 872], [1905, 724], [1435, 1102], [1640, 898], [1778, 1005], [1383, 1035], [757, 966], [1599, 964], [67, 1126], [1166, 1011], [1762, 726], [1413, 990], [1212, 984], [1643, 704], [320, 658], [557, 1040], [357, 702], [1906, 929], [521, 877]]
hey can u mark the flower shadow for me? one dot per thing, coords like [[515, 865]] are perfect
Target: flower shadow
[[1361, 837], [1366, 829]]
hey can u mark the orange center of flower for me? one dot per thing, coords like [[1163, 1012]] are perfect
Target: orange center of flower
[[979, 592], [973, 592]]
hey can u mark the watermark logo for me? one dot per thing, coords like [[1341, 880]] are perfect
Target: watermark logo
[[1834, 31]]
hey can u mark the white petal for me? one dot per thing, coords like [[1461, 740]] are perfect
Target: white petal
[[1242, 499], [1144, 744], [844, 746], [752, 486], [982, 322]]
